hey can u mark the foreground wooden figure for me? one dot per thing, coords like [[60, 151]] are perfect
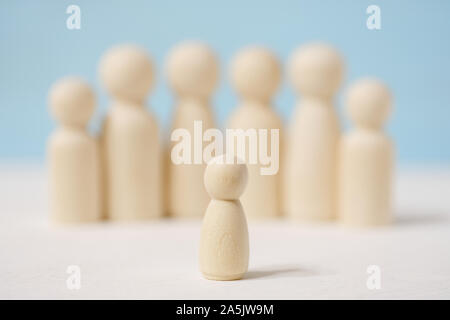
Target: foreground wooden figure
[[224, 248], [366, 158], [73, 155]]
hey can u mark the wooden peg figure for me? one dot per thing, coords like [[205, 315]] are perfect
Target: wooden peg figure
[[192, 71], [130, 139], [256, 76], [366, 157], [316, 72], [224, 247], [73, 154]]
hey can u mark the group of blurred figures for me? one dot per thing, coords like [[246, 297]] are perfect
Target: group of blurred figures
[[126, 174]]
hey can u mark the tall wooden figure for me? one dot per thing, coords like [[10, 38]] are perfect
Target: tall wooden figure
[[366, 158], [316, 71], [73, 155], [256, 76], [130, 137], [192, 70], [224, 248]]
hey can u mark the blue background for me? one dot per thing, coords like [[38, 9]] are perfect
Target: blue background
[[411, 53]]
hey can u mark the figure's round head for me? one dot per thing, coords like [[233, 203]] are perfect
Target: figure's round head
[[225, 181], [72, 101], [316, 70], [369, 102], [192, 69], [256, 73], [127, 72]]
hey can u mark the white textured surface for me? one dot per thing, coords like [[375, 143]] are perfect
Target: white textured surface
[[158, 260]]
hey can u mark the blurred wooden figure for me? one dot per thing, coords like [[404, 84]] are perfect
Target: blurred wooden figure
[[316, 72], [73, 154], [256, 76], [366, 157], [130, 139], [192, 71]]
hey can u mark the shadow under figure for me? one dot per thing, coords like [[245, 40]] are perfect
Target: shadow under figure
[[418, 218], [280, 272]]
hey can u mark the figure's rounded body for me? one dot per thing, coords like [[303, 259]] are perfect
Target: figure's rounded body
[[133, 163], [187, 195], [366, 159], [311, 162], [74, 177], [256, 116], [224, 248]]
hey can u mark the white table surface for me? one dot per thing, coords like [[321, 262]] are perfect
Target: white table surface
[[158, 260]]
